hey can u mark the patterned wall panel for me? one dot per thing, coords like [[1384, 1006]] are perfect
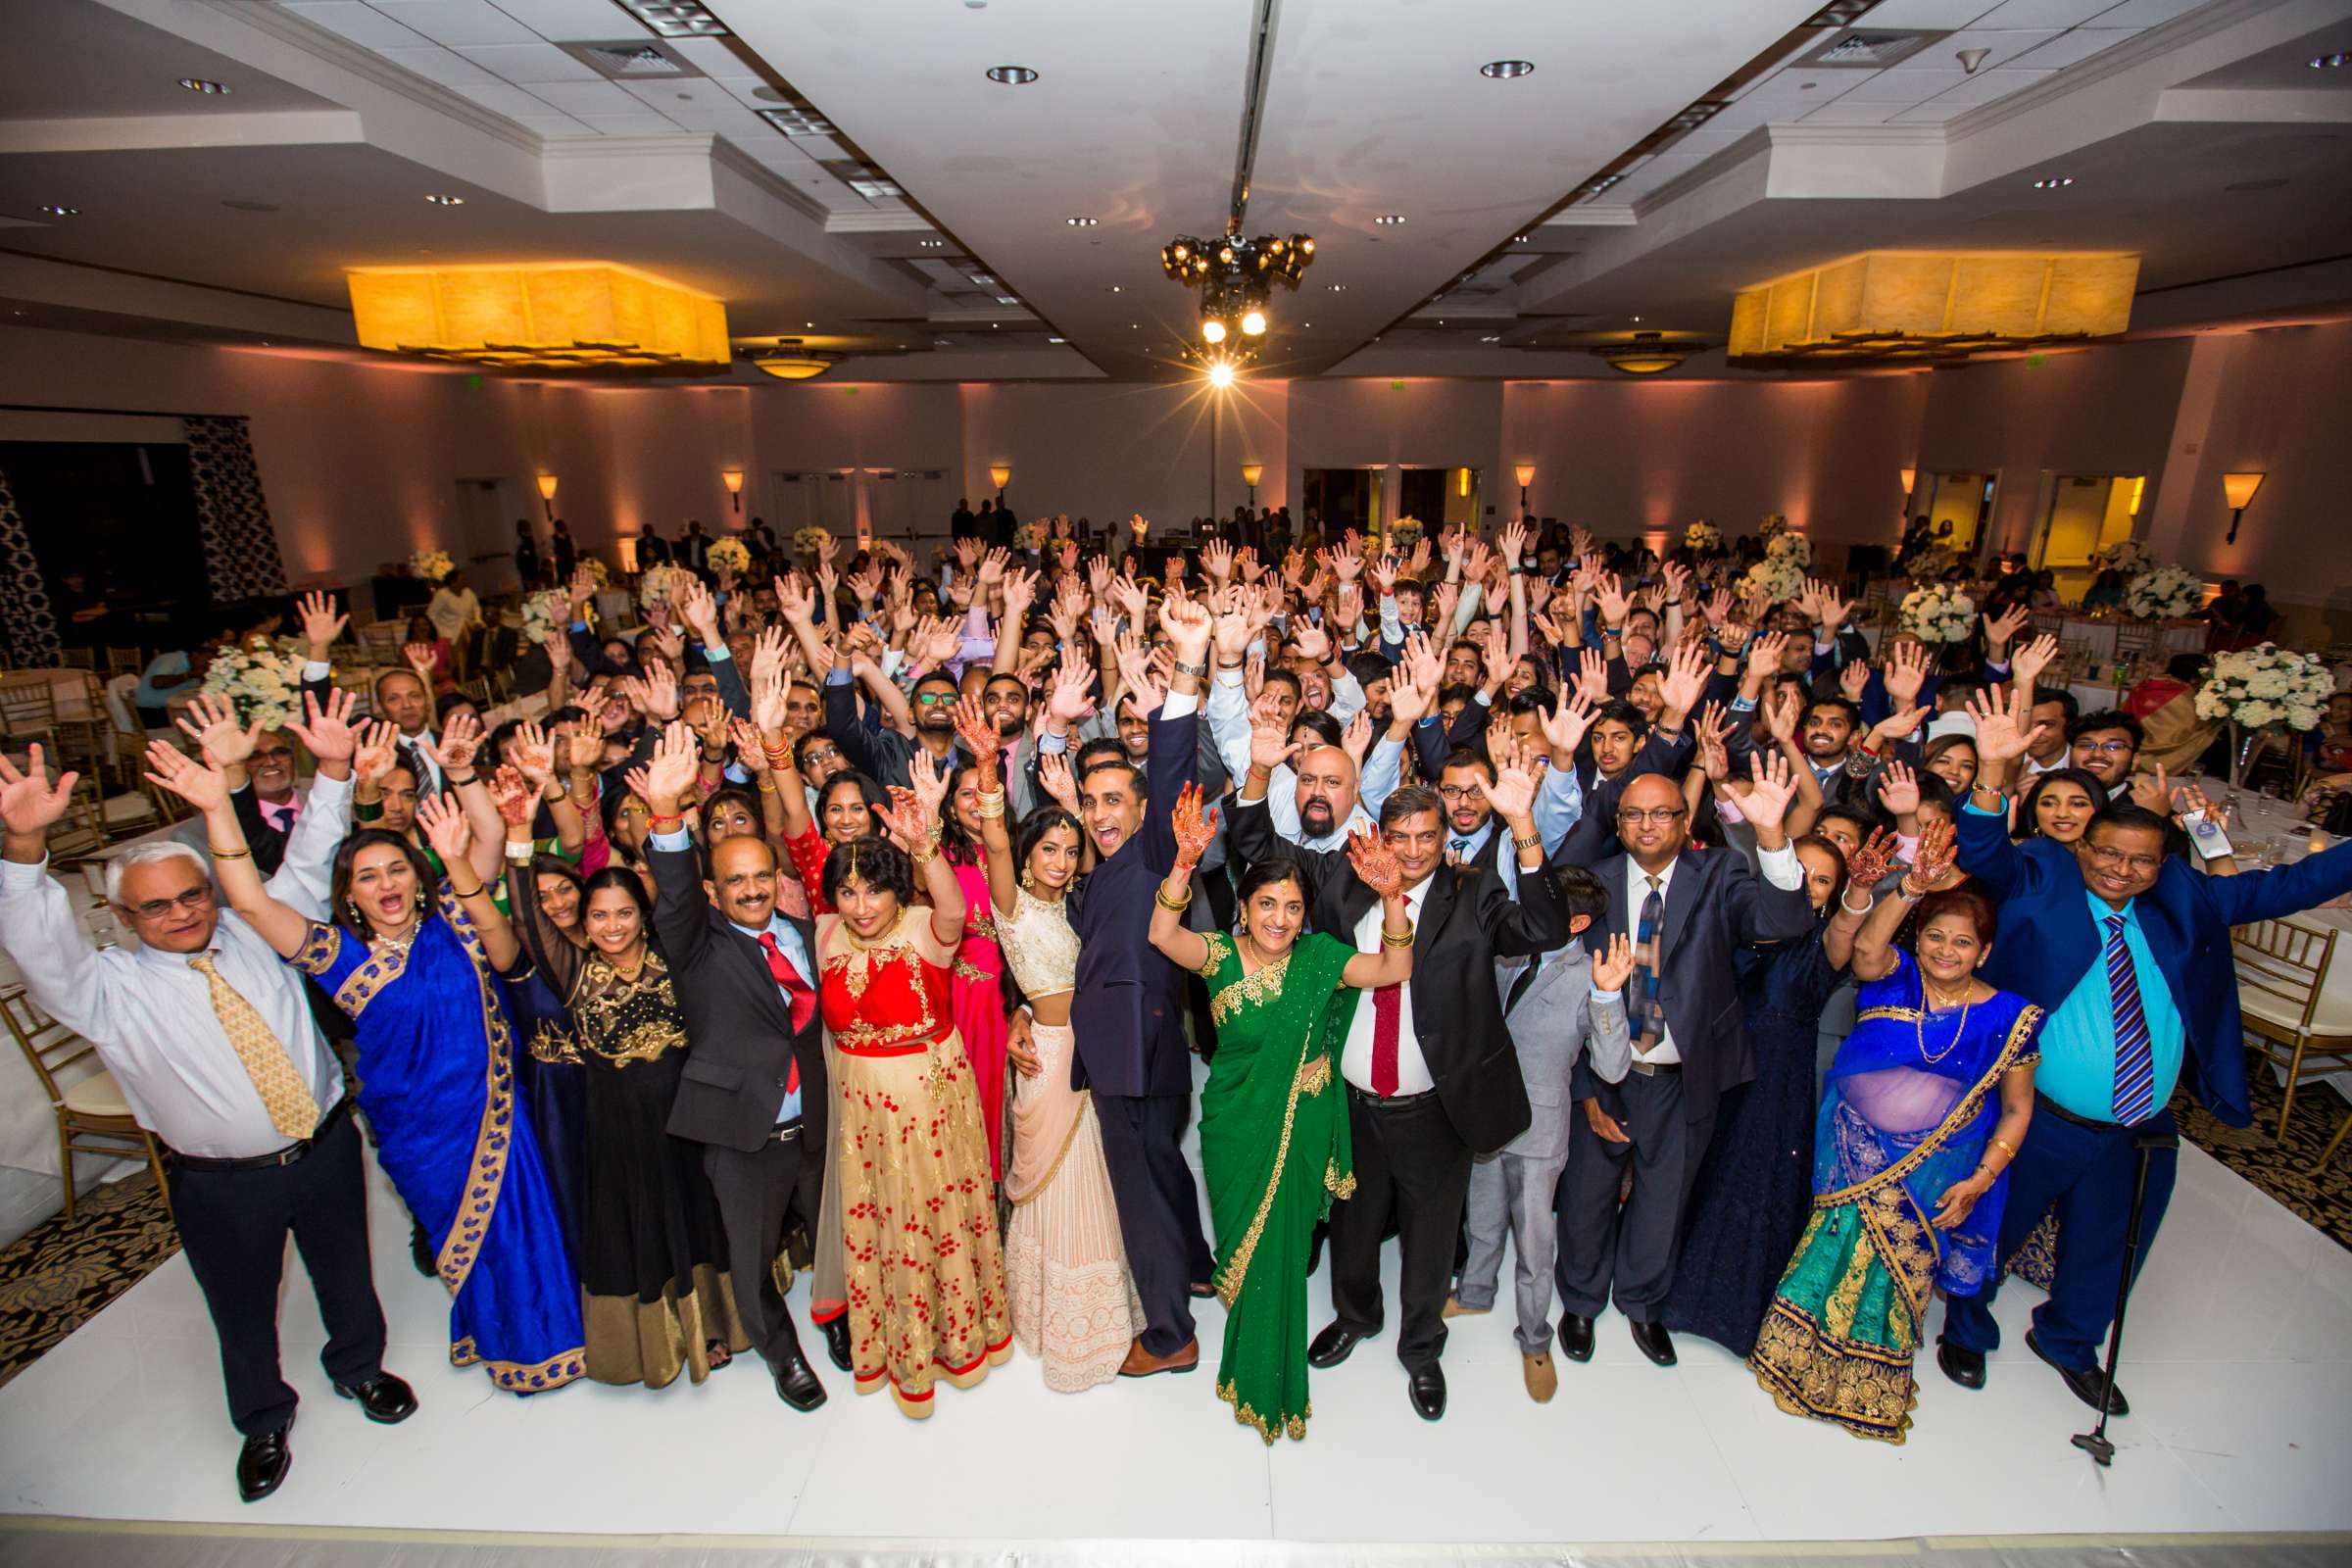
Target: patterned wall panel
[[28, 624], [240, 547]]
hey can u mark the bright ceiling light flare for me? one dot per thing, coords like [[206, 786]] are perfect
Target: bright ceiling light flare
[[1220, 376], [1212, 331], [1253, 323], [1506, 70], [1011, 75]]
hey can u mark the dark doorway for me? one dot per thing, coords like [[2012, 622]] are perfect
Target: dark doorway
[[1340, 499], [114, 528]]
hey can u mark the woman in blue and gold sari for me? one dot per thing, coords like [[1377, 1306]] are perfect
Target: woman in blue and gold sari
[[1926, 1104], [419, 962]]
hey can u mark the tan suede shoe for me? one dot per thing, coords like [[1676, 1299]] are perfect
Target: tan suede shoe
[[1542, 1377]]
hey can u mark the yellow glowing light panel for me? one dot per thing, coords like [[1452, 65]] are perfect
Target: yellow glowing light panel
[[582, 313], [1889, 303]]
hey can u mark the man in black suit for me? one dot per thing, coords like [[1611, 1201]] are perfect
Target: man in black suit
[[754, 1090], [1687, 911], [1432, 1077], [1127, 1017]]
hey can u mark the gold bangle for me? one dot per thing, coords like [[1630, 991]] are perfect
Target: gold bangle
[[2004, 1146], [1172, 905], [219, 853], [990, 803], [1394, 939], [768, 784]]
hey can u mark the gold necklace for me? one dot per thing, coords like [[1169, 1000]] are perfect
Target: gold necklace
[[1918, 1026]]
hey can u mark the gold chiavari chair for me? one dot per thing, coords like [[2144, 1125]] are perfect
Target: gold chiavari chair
[[28, 710], [125, 660], [80, 659], [92, 1116], [2282, 983]]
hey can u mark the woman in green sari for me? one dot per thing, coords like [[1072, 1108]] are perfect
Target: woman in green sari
[[1273, 1117]]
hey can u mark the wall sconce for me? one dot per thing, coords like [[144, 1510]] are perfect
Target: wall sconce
[[1251, 472], [732, 478], [1526, 473], [547, 495], [1910, 478], [1000, 475], [2238, 490]]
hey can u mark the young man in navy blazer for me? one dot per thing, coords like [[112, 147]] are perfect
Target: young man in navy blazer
[[2127, 951]]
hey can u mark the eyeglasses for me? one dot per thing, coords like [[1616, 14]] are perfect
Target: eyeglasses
[[2111, 858], [932, 699], [195, 899], [1662, 815], [821, 754], [1450, 793], [2111, 748], [272, 753]]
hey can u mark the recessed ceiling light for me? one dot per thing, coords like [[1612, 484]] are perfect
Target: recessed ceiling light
[[2332, 62], [1521, 239], [1115, 288], [1489, 338], [1389, 219], [2054, 182], [1506, 70], [446, 201], [797, 122], [1058, 340], [209, 88], [1011, 75], [1339, 288], [809, 325], [676, 19], [1082, 223], [984, 279], [1008, 299], [60, 210], [875, 191]]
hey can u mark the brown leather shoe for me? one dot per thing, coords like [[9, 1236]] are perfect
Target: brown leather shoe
[[1542, 1377], [1453, 1308], [1142, 1363]]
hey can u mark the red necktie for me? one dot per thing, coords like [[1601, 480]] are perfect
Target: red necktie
[[804, 999], [1386, 1003]]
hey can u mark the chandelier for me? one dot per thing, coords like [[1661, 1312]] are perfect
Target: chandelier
[[1236, 277]]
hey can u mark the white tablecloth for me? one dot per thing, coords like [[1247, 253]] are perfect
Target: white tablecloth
[[2098, 636], [2272, 832]]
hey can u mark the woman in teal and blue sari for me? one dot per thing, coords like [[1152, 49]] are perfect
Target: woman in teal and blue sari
[[420, 963], [1924, 1106]]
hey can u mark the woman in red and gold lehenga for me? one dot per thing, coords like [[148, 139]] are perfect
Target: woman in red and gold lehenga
[[925, 1273]]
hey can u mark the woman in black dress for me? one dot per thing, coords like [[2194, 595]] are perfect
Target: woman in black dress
[[652, 1253], [1756, 1185]]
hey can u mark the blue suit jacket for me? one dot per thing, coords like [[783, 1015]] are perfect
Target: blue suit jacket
[[2048, 943], [1127, 1017]]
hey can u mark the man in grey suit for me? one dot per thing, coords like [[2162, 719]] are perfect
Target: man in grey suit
[[1560, 1006]]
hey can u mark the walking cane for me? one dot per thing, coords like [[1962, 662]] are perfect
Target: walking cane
[[2094, 1442]]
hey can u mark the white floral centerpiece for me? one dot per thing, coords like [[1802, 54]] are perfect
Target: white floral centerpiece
[[1939, 613], [596, 569], [2164, 593], [546, 614], [432, 566], [811, 540], [261, 680], [730, 555], [660, 584], [1703, 537], [1779, 577], [1794, 547], [1927, 562], [1773, 526], [1030, 536], [2259, 691], [2127, 555], [1404, 533]]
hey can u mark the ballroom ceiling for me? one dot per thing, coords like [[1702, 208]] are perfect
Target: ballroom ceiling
[[846, 173]]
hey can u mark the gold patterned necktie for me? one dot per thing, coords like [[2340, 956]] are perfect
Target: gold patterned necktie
[[292, 1110]]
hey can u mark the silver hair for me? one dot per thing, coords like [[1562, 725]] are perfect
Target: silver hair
[[154, 854]]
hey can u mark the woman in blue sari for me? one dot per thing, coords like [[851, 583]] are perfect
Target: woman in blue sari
[[420, 963], [1926, 1104]]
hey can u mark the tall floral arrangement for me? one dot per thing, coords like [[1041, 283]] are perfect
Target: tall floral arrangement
[[1703, 537], [261, 680], [730, 555], [1927, 562], [548, 612], [598, 572], [1773, 526], [2127, 555], [1939, 613], [1779, 577], [2265, 685], [2164, 593], [660, 584], [1794, 547], [432, 566], [811, 540], [1030, 536]]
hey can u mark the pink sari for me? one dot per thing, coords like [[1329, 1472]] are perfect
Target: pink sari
[[976, 999]]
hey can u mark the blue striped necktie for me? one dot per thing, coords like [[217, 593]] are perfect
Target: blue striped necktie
[[2135, 1060], [1646, 1016]]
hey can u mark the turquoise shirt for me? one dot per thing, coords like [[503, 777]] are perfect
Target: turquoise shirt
[[2078, 1041]]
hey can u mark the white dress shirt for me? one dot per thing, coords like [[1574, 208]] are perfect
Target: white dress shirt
[[788, 943], [1355, 1055], [151, 1016], [1781, 867]]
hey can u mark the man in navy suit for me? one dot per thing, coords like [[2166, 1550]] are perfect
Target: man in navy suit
[[2127, 951], [1127, 1017]]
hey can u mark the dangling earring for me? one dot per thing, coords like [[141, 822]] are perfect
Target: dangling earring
[[1028, 882], [1240, 924], [359, 922]]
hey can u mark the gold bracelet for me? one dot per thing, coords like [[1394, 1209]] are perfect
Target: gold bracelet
[[1394, 939], [219, 853], [1172, 905], [768, 784], [2004, 1146], [990, 804], [463, 897]]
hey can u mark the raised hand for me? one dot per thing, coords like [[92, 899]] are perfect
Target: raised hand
[[658, 694], [699, 610], [1310, 640], [1054, 777], [2024, 669], [1565, 725], [1907, 672], [1189, 625], [206, 788], [1195, 827], [513, 795], [29, 802], [1072, 700], [2001, 631], [329, 733], [1770, 789], [668, 647], [1898, 790], [1270, 744], [2152, 791], [211, 721], [1765, 654], [1713, 728], [1854, 679], [421, 659], [1512, 794], [321, 624], [1872, 858], [670, 774], [1830, 607], [1609, 591], [1685, 679], [1614, 965], [377, 749], [978, 733], [1781, 709], [1409, 702], [534, 755], [794, 600], [1933, 859], [2002, 732], [930, 781], [1375, 863], [1357, 738], [461, 738], [1512, 542], [445, 829]]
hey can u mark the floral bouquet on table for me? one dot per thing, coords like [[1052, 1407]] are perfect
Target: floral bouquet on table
[[259, 680], [1030, 536], [1927, 562], [2258, 691], [1938, 614], [1793, 548], [2164, 593], [2127, 555], [730, 555], [1773, 526], [431, 566], [1779, 577], [811, 540], [660, 584], [546, 614], [1703, 537], [1404, 533], [595, 568]]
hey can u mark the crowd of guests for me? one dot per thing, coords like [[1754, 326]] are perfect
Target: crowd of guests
[[1750, 979]]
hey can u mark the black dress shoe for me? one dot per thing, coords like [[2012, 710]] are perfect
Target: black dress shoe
[[837, 1340], [2085, 1384], [264, 1462], [1576, 1337], [1334, 1346], [383, 1399], [1961, 1364], [421, 1253], [1653, 1340], [1427, 1389], [797, 1385]]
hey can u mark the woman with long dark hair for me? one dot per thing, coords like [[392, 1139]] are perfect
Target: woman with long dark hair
[[2059, 804]]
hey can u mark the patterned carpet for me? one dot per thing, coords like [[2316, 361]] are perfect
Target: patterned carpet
[[58, 1276], [2282, 1167]]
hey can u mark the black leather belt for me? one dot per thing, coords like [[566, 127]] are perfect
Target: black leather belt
[[784, 1130], [2042, 1102], [288, 1155], [1386, 1101], [1654, 1069]]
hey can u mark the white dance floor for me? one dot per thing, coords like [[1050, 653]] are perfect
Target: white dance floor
[[2238, 1367]]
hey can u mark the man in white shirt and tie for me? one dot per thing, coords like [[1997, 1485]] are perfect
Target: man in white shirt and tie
[[211, 1041]]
